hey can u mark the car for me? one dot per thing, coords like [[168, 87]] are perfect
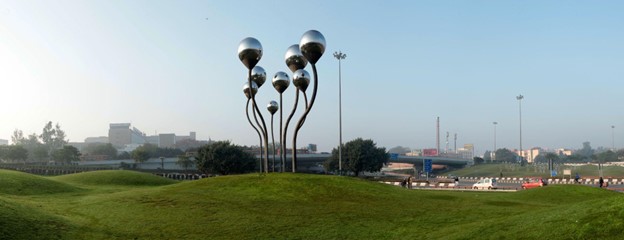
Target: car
[[486, 183], [533, 183]]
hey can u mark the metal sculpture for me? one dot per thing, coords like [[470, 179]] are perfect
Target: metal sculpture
[[310, 49]]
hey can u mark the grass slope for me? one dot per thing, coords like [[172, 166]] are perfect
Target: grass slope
[[19, 183], [115, 177], [21, 222], [300, 206]]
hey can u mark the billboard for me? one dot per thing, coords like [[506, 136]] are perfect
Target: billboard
[[430, 152]]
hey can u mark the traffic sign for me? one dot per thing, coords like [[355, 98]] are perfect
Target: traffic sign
[[394, 156], [428, 165]]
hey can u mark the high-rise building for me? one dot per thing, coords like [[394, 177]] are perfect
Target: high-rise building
[[120, 135], [166, 140]]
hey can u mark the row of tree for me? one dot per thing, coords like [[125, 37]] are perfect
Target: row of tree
[[49, 145], [224, 158]]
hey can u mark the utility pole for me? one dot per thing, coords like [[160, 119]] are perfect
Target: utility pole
[[339, 55]]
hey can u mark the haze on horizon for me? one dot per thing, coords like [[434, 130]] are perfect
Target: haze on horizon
[[171, 67]]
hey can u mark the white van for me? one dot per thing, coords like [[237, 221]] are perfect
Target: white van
[[486, 183]]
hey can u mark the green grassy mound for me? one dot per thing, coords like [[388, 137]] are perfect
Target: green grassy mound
[[19, 183], [301, 206], [20, 222], [115, 177]]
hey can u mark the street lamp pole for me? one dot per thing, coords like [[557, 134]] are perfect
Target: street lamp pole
[[613, 137], [520, 97], [495, 123], [339, 55]]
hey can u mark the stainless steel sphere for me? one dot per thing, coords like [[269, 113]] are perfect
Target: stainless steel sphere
[[254, 89], [294, 59], [301, 79], [250, 52], [258, 75], [312, 45], [272, 107], [281, 81]]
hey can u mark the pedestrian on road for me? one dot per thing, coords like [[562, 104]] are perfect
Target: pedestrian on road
[[409, 182], [601, 182], [456, 181], [576, 178]]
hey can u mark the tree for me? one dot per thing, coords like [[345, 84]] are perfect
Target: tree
[[13, 153], [47, 135], [67, 154], [184, 161], [505, 155], [487, 156], [359, 155], [140, 154], [478, 160], [224, 158], [620, 153], [18, 137], [124, 155], [101, 149], [53, 137], [59, 140], [586, 151], [551, 160], [606, 156]]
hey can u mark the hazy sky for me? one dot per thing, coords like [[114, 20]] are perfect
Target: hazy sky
[[172, 67]]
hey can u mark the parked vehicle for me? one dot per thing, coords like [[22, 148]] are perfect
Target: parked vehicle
[[486, 183], [533, 183]]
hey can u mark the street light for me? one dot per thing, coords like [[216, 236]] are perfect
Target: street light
[[494, 155], [339, 55], [520, 97], [162, 163], [613, 138]]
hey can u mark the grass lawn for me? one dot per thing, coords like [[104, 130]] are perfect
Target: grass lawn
[[131, 205]]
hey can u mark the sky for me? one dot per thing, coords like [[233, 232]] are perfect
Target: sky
[[172, 67]]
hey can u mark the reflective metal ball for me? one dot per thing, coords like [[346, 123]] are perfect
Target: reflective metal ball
[[254, 89], [294, 59], [258, 75], [272, 107], [249, 52], [312, 45], [281, 81], [301, 79]]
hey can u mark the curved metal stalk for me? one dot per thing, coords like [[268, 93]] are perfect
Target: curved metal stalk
[[287, 122], [282, 154], [266, 137], [305, 114], [257, 131], [273, 140]]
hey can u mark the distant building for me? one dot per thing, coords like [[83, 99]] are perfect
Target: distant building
[[120, 135], [191, 136], [166, 140], [101, 139], [4, 142], [312, 148], [564, 152], [530, 154], [414, 153]]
